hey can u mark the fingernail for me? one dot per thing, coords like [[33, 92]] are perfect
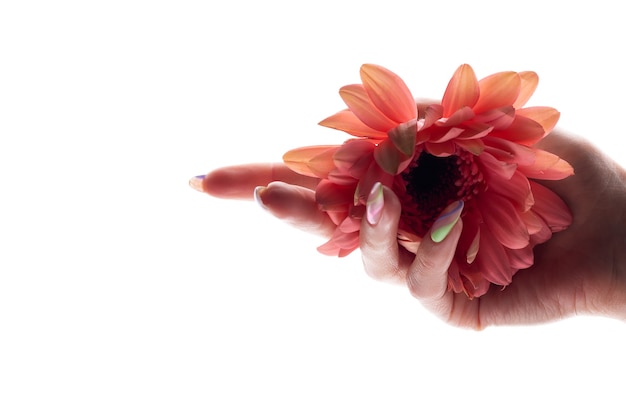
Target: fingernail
[[446, 221], [257, 197], [196, 183], [375, 203]]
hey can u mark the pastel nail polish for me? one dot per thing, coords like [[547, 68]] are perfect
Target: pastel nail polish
[[257, 196], [375, 204], [196, 183], [446, 221]]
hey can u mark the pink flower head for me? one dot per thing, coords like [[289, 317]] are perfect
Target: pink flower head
[[476, 145]]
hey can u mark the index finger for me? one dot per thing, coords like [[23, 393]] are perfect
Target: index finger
[[239, 181]]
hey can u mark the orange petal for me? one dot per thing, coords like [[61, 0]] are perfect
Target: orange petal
[[498, 90], [473, 248], [499, 118], [350, 224], [373, 175], [493, 260], [492, 167], [547, 166], [503, 221], [390, 159], [529, 81], [550, 207], [475, 146], [521, 259], [403, 137], [333, 197], [522, 131], [475, 130], [509, 151], [341, 178], [347, 122], [341, 244], [547, 117], [360, 104], [444, 149], [461, 115], [431, 114], [462, 91], [532, 220], [354, 157], [389, 93], [440, 135], [313, 161], [516, 190], [542, 235]]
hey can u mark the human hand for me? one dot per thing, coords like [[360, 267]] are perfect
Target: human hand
[[581, 270]]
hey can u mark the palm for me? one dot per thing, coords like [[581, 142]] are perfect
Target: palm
[[574, 272]]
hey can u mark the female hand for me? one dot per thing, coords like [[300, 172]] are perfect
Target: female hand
[[581, 270]]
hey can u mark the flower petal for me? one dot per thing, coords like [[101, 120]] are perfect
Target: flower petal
[[475, 146], [509, 151], [347, 122], [403, 137], [492, 167], [475, 130], [549, 206], [547, 117], [503, 221], [474, 283], [440, 135], [498, 90], [534, 224], [431, 114], [333, 197], [312, 161], [468, 245], [350, 224], [547, 166], [493, 260], [444, 149], [390, 159], [360, 104], [522, 258], [340, 244], [462, 91], [499, 118], [461, 115], [516, 190], [373, 175], [389, 93], [523, 131], [354, 157], [529, 81]]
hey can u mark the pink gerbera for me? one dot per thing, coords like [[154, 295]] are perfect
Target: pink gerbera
[[476, 145]]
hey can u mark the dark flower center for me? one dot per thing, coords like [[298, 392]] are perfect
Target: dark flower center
[[431, 183]]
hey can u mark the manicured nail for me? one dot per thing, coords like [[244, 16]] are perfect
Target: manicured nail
[[446, 221], [257, 197], [196, 183], [375, 204]]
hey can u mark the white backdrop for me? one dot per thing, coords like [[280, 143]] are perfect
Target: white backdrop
[[116, 277]]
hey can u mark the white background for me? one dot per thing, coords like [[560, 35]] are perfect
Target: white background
[[116, 277]]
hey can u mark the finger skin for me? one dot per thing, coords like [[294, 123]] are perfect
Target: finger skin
[[238, 182], [296, 205], [427, 278], [383, 260]]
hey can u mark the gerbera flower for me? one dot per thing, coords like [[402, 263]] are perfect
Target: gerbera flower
[[475, 145]]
